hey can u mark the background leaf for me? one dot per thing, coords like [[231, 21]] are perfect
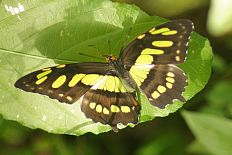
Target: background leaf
[[219, 98], [50, 32], [213, 132]]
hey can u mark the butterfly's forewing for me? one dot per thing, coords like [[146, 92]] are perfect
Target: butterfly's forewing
[[164, 44], [66, 83], [151, 60]]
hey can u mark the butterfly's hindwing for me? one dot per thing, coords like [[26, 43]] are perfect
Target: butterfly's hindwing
[[66, 83], [110, 108], [164, 84], [160, 83], [164, 44], [109, 102]]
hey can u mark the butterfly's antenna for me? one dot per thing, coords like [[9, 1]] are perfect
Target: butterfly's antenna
[[91, 56], [109, 51], [98, 51], [125, 40]]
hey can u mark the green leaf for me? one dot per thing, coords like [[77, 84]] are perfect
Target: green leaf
[[50, 32], [213, 132]]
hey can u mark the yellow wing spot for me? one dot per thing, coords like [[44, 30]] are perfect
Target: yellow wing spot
[[105, 86], [155, 94], [116, 82], [101, 84], [69, 98], [75, 79], [162, 43], [177, 58], [144, 59], [96, 80], [170, 74], [43, 74], [110, 84], [88, 79], [61, 66], [50, 91], [141, 36], [99, 108], [169, 85], [46, 69], [172, 32], [122, 88], [59, 81], [177, 51], [162, 30], [119, 85], [61, 95], [125, 109], [151, 30], [152, 51], [139, 74], [161, 89], [92, 105], [133, 73], [171, 80], [106, 111], [114, 108], [41, 80]]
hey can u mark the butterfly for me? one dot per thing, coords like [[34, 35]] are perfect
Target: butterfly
[[108, 91]]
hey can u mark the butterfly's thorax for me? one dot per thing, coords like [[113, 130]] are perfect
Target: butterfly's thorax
[[123, 75]]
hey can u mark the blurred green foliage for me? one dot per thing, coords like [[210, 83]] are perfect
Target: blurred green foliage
[[212, 131], [170, 135]]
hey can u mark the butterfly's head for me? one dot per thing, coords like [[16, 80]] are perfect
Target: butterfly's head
[[110, 58]]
